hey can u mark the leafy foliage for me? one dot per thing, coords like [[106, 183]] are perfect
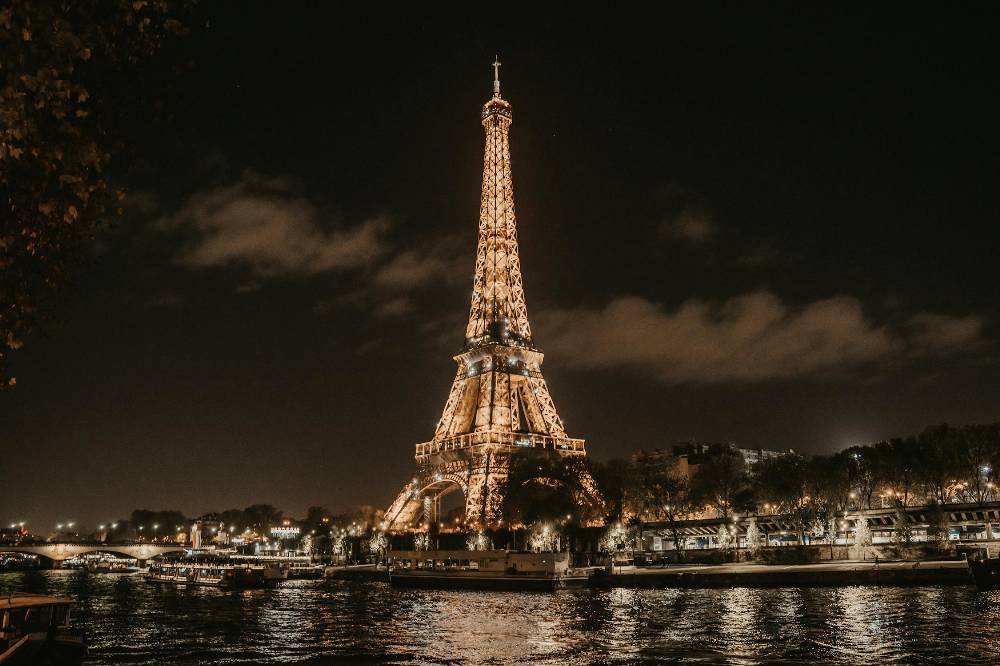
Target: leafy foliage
[[545, 487], [64, 65], [721, 480]]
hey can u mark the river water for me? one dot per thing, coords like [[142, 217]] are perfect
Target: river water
[[128, 621]]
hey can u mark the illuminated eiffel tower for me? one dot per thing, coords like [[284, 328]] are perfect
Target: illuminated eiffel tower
[[499, 400]]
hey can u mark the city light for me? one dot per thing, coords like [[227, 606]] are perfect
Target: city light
[[213, 444]]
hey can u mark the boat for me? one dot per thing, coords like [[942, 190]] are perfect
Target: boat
[[113, 566], [222, 572], [986, 572], [484, 570], [306, 570], [18, 562], [77, 562], [35, 629]]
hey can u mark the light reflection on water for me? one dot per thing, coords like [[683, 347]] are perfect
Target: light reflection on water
[[129, 621]]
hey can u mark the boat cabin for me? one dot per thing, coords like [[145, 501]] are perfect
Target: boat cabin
[[33, 626]]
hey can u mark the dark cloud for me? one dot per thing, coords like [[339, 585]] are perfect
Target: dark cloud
[[750, 338], [395, 307], [261, 224], [692, 224], [442, 258]]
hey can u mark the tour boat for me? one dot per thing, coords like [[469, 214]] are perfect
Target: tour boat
[[306, 570], [35, 629], [214, 572], [113, 566], [483, 570]]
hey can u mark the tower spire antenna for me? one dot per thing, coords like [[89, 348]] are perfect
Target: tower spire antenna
[[496, 75]]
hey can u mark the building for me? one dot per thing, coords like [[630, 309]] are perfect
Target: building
[[696, 451]]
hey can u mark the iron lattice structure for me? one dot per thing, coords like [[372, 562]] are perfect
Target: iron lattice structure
[[499, 400]]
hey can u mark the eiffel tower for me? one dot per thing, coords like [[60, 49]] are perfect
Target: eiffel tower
[[499, 400]]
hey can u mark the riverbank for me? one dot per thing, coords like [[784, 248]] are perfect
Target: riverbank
[[828, 574], [802, 575]]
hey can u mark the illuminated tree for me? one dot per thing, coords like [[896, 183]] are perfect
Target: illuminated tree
[[377, 543], [477, 541], [755, 538], [724, 538], [543, 537], [862, 533]]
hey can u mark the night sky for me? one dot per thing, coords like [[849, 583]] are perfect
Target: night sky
[[775, 229]]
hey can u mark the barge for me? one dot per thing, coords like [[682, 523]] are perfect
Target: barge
[[483, 570]]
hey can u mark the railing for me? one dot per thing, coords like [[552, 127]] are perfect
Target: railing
[[503, 439]]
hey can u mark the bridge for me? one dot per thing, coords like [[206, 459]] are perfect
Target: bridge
[[57, 552]]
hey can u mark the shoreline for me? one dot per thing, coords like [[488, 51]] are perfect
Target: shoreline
[[827, 574]]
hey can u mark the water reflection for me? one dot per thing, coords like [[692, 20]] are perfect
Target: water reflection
[[129, 621]]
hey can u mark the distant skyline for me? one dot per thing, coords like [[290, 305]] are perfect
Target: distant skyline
[[781, 234]]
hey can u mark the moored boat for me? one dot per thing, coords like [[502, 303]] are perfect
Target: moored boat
[[214, 572], [300, 570], [483, 570], [35, 629], [986, 573], [114, 566]]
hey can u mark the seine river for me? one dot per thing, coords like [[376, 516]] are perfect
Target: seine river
[[130, 622]]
